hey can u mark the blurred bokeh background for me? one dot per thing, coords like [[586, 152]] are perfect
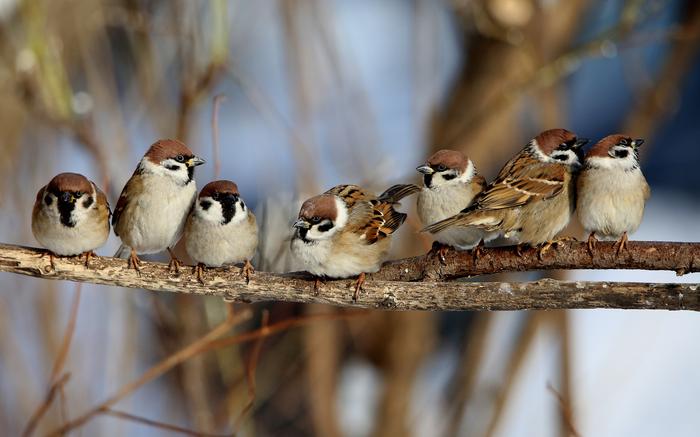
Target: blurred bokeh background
[[321, 92]]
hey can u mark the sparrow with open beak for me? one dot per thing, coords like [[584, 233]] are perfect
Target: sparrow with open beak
[[612, 190], [151, 212], [532, 198], [346, 232], [221, 229], [450, 184], [70, 217]]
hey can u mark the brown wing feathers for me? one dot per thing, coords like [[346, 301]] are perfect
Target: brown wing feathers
[[395, 193], [385, 220], [373, 217]]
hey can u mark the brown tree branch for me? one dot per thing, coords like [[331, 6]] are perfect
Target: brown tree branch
[[415, 283]]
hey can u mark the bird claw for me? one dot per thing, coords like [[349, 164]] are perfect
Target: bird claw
[[439, 250], [478, 251], [519, 249], [621, 244], [317, 286], [556, 243], [45, 253], [544, 249], [358, 286], [134, 262], [174, 264], [247, 270], [88, 256], [198, 271], [592, 240]]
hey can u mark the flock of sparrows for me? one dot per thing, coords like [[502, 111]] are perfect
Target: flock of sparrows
[[346, 231]]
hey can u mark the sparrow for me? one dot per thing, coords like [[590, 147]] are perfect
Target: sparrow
[[70, 217], [612, 190], [450, 184], [532, 198], [346, 232], [152, 209], [221, 229]]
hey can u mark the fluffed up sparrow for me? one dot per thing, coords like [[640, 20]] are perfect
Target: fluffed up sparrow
[[346, 232], [450, 184], [532, 198], [612, 190], [151, 212], [221, 229], [70, 216]]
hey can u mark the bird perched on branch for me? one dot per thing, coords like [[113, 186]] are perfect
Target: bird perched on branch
[[151, 211], [221, 229], [70, 217], [532, 198], [346, 232], [612, 190], [450, 184]]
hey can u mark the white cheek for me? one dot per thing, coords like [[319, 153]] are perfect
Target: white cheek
[[211, 214], [342, 215], [180, 175], [611, 163], [80, 212], [241, 213], [315, 234], [51, 210], [571, 158]]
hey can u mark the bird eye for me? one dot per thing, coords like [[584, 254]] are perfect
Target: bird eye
[[180, 158], [441, 167], [215, 196], [315, 219], [623, 142], [47, 200], [78, 194]]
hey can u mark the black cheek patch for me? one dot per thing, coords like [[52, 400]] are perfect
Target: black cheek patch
[[172, 167], [449, 176], [325, 227], [48, 200], [87, 202], [561, 157], [621, 153], [205, 204]]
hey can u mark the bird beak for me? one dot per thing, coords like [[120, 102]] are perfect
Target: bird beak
[[638, 142], [195, 161], [425, 169], [302, 224], [580, 143]]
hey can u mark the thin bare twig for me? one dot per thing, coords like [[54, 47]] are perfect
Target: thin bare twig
[[156, 370], [44, 407], [57, 380], [208, 342], [157, 424], [250, 372], [218, 100], [566, 414]]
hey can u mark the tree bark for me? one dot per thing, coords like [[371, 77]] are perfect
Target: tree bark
[[418, 283]]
